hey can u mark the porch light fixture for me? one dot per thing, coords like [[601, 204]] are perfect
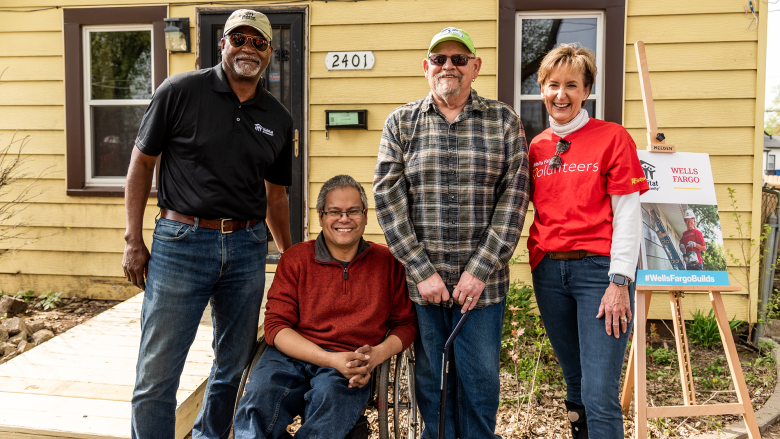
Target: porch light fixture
[[177, 34]]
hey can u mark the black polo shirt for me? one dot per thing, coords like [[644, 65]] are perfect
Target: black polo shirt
[[216, 151]]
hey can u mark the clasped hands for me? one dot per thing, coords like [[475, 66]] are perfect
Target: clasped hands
[[357, 366], [433, 290]]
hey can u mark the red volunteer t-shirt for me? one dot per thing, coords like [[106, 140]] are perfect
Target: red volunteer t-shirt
[[695, 236], [572, 210]]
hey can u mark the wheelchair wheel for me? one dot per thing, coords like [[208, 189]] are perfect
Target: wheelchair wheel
[[396, 392], [406, 417], [259, 349], [382, 394]]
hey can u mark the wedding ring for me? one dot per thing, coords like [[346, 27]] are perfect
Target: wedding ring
[[469, 299], [624, 319]]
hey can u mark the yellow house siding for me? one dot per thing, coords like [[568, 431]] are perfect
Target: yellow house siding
[[706, 74], [706, 69]]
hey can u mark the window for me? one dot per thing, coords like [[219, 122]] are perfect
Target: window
[[114, 59], [770, 162], [536, 35], [117, 89]]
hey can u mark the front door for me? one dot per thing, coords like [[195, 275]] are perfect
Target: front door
[[284, 79]]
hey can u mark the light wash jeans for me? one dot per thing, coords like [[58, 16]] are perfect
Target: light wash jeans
[[568, 294], [281, 388], [473, 385], [191, 267]]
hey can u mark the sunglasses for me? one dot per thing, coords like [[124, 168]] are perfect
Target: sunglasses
[[238, 40], [457, 60], [560, 147]]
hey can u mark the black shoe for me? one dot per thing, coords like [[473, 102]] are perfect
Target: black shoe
[[361, 430], [579, 423]]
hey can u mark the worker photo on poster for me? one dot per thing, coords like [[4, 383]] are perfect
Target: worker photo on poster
[[682, 241]]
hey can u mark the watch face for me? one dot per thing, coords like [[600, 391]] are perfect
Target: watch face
[[619, 279]]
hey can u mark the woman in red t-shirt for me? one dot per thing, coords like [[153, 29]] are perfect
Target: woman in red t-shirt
[[584, 241]]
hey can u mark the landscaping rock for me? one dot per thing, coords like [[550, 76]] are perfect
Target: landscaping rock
[[42, 336], [35, 325], [12, 306], [3, 334], [24, 346], [18, 338], [7, 349], [15, 326], [772, 329]]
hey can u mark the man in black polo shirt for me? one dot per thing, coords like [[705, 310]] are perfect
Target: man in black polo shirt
[[226, 155]]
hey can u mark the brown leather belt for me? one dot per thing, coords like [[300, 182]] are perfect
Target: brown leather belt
[[223, 225], [574, 254]]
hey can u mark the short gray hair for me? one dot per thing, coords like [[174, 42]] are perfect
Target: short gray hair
[[338, 182]]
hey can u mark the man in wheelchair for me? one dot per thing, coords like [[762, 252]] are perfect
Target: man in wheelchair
[[331, 304]]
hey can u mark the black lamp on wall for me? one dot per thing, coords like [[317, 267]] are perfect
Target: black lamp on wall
[[177, 34]]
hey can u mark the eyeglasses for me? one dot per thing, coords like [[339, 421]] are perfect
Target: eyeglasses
[[560, 147], [238, 40], [457, 60], [336, 214]]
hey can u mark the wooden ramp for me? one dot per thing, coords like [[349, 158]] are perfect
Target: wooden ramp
[[79, 384]]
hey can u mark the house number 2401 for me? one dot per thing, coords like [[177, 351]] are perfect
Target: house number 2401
[[357, 60]]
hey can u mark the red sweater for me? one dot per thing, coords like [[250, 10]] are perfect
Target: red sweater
[[340, 308]]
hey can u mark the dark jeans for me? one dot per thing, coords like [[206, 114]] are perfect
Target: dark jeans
[[473, 384], [191, 267], [281, 387], [568, 294]]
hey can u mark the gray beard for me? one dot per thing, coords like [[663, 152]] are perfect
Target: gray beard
[[446, 93], [245, 72]]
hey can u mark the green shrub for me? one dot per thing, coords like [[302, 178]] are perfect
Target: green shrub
[[664, 357], [703, 330], [48, 300]]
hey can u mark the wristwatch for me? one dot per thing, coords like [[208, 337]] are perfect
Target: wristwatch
[[619, 279]]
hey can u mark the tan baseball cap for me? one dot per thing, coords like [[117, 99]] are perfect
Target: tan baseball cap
[[247, 17]]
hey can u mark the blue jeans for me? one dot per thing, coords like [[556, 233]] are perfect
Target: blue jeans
[[281, 388], [473, 385], [191, 267], [568, 294]]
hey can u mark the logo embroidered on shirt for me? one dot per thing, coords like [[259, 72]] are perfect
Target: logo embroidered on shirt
[[260, 128], [637, 180]]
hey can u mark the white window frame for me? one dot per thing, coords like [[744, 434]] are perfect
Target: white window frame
[[89, 102], [770, 158], [600, 32]]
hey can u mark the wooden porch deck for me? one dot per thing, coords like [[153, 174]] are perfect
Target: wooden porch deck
[[79, 384]]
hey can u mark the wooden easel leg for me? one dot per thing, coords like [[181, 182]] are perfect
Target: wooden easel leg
[[736, 368], [628, 383], [683, 354], [640, 366]]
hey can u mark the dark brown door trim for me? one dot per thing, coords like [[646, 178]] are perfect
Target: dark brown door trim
[[614, 46]]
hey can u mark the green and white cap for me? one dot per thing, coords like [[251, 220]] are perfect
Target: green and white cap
[[248, 17], [453, 34]]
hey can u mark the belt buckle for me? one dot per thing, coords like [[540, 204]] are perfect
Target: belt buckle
[[222, 226]]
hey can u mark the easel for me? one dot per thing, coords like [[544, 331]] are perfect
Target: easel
[[636, 373]]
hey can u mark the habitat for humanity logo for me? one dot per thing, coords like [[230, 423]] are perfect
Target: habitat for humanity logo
[[649, 172], [260, 128]]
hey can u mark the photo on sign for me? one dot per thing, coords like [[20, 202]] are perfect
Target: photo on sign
[[682, 237], [682, 242]]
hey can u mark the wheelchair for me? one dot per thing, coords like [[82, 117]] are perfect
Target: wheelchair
[[392, 396]]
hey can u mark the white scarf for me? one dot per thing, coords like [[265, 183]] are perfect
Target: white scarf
[[571, 126]]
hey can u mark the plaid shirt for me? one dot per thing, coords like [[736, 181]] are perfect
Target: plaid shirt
[[453, 196]]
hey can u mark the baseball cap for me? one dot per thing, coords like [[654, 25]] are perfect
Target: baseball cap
[[247, 17], [453, 34], [689, 214]]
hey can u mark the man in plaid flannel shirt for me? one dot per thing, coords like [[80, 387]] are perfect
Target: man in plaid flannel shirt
[[451, 187]]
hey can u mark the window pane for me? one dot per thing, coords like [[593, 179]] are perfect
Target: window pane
[[121, 65], [542, 35], [536, 119], [114, 130]]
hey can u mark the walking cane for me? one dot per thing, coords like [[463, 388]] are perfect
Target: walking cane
[[445, 370]]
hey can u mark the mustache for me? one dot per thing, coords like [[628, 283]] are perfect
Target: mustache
[[457, 75], [248, 58]]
